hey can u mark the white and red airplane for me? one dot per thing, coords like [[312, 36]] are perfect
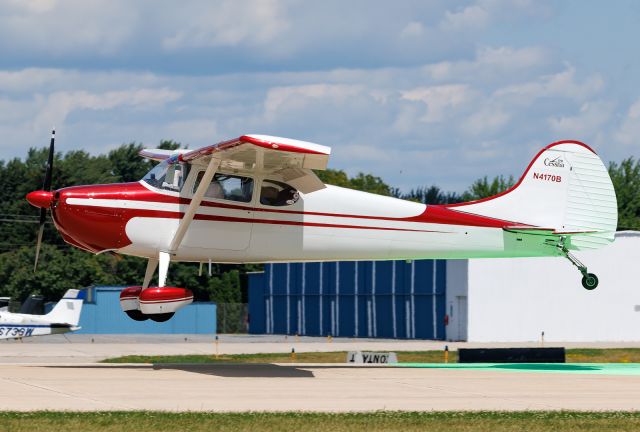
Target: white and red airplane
[[256, 199]]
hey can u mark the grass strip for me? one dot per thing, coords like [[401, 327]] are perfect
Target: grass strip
[[613, 355], [142, 421]]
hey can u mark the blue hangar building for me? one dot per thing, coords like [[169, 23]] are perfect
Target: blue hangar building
[[374, 299]]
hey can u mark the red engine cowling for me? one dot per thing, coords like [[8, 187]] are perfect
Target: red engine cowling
[[157, 303]]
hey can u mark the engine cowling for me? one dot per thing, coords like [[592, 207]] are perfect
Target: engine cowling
[[156, 303]]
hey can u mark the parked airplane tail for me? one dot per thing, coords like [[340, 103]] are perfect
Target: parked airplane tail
[[566, 191], [67, 310]]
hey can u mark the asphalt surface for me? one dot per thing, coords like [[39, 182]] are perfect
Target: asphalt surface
[[61, 373], [285, 387]]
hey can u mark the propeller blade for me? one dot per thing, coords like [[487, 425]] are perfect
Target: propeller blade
[[46, 186], [43, 216]]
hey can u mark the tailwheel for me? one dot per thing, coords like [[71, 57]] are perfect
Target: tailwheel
[[136, 315], [590, 281], [161, 317]]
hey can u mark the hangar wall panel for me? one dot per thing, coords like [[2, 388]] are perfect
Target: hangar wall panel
[[378, 299], [513, 300], [457, 299]]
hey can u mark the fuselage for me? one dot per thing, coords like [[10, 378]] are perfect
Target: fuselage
[[330, 224]]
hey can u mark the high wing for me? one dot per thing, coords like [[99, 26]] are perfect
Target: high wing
[[159, 155], [294, 160]]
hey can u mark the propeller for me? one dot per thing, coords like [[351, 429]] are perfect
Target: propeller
[[43, 197]]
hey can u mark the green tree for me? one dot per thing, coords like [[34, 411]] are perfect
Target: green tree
[[483, 188], [65, 269], [170, 145], [429, 195], [126, 164], [626, 181], [362, 182]]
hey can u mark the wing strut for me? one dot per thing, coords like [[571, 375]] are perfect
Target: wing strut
[[165, 256]]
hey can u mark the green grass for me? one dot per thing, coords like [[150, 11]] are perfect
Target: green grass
[[610, 355], [312, 357], [531, 421], [616, 355]]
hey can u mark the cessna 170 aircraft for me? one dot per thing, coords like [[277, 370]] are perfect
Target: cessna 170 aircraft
[[63, 318], [256, 199]]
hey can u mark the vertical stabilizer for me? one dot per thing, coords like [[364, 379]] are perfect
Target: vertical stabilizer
[[567, 189], [67, 310]]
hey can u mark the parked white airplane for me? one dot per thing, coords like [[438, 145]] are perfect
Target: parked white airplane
[[63, 318]]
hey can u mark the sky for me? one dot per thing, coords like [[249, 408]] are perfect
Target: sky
[[416, 92]]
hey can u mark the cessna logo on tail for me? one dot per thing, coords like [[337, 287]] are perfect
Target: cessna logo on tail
[[555, 162]]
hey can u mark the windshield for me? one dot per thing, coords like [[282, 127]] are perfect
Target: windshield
[[168, 176]]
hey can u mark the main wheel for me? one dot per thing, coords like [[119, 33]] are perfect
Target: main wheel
[[162, 317], [136, 315], [590, 281]]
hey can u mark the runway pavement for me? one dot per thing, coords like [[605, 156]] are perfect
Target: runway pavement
[[308, 388], [61, 373]]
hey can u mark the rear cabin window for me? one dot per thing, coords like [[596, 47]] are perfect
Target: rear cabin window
[[277, 194], [227, 187]]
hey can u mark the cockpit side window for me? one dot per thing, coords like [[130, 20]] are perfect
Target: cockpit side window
[[277, 194], [227, 187], [168, 176]]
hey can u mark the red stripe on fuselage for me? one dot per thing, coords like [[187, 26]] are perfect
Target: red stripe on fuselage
[[128, 214], [436, 214]]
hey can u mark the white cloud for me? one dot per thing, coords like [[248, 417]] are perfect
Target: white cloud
[[562, 84], [35, 6], [52, 28], [589, 121], [468, 18], [442, 101], [229, 23], [413, 29], [192, 130], [629, 131], [416, 83], [488, 121], [58, 105], [398, 123], [482, 13], [493, 64], [284, 100]]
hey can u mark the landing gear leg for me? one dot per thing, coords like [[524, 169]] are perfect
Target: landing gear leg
[[589, 280], [164, 259], [152, 265]]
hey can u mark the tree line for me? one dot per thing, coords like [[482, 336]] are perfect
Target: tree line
[[64, 267]]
